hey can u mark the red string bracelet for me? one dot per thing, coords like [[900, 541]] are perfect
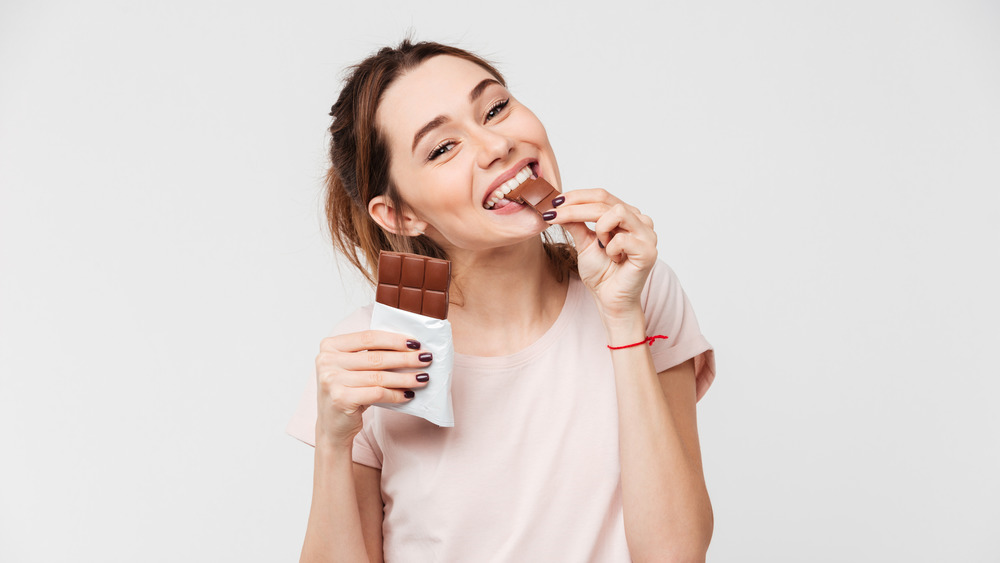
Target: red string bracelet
[[648, 340]]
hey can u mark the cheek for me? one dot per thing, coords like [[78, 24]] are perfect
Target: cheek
[[531, 124], [437, 193]]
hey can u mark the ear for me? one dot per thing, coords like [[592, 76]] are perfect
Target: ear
[[383, 213]]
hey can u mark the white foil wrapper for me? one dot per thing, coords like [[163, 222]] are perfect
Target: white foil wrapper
[[432, 402]]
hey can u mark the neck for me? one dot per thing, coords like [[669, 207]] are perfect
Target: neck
[[503, 299]]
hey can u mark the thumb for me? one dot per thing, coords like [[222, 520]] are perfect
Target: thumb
[[583, 237]]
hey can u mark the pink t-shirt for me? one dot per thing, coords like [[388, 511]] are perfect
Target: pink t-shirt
[[530, 472]]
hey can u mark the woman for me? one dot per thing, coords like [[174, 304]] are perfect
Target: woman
[[574, 440]]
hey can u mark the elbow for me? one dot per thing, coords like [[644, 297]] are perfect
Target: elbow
[[674, 554], [688, 547], [694, 551], [694, 547], [688, 552]]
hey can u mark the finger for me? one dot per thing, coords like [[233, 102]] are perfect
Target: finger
[[369, 340], [617, 219], [644, 219], [577, 197], [382, 360], [626, 245], [579, 213], [583, 237], [638, 250], [389, 379], [595, 195], [365, 396]]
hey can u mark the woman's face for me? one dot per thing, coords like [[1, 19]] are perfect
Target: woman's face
[[455, 135]]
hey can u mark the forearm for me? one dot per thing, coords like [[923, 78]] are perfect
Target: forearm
[[334, 529], [666, 506]]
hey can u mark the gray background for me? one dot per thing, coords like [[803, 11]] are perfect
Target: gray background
[[823, 177]]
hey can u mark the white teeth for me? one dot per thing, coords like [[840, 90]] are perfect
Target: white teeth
[[508, 186]]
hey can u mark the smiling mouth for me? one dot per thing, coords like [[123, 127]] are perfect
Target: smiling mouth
[[496, 199]]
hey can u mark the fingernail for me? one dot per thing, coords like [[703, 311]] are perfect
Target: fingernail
[[408, 393], [549, 215], [558, 201], [425, 357], [412, 344], [599, 243], [422, 377]]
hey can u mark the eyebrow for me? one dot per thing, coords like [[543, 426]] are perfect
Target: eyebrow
[[431, 125], [478, 90], [441, 119]]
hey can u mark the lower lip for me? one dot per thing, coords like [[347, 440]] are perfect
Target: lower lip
[[512, 207]]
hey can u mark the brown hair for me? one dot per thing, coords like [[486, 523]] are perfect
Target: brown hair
[[359, 162]]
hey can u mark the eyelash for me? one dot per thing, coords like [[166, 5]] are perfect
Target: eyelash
[[440, 149], [497, 107]]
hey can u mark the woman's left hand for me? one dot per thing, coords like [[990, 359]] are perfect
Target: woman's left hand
[[616, 256]]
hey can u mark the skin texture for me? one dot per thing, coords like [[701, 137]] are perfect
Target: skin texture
[[445, 195], [668, 515]]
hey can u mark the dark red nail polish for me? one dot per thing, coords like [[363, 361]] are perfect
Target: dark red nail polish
[[422, 377], [408, 393], [412, 344], [558, 201], [549, 215], [425, 357]]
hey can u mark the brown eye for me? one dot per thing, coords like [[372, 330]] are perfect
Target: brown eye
[[440, 149], [496, 109]]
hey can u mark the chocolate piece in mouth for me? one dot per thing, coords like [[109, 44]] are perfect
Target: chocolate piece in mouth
[[535, 193], [414, 283]]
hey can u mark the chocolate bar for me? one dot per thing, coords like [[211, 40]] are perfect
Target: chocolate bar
[[414, 283], [536, 193]]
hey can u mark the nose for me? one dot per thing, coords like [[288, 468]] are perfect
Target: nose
[[493, 146]]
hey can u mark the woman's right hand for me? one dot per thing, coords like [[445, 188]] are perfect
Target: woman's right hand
[[352, 373]]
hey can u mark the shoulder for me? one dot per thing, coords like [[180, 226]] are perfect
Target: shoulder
[[661, 286], [663, 298], [669, 312]]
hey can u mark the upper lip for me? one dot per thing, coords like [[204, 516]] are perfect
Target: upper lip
[[506, 176]]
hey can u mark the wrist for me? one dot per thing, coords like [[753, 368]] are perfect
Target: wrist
[[333, 442], [648, 340], [625, 328], [331, 451]]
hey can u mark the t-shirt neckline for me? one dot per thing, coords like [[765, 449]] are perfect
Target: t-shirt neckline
[[574, 293]]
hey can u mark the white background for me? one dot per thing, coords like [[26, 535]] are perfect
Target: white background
[[823, 176]]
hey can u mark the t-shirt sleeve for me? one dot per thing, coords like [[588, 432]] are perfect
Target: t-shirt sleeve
[[668, 312], [303, 422], [366, 450]]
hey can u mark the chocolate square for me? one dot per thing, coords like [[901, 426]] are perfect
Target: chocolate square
[[535, 193], [386, 293], [414, 283], [413, 271], [389, 268], [411, 299]]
